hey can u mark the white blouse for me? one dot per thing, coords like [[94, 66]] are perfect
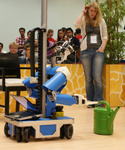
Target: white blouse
[[103, 32]]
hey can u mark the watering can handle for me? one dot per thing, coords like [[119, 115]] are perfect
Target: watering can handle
[[104, 102]]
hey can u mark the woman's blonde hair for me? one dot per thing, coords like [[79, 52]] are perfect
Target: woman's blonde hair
[[13, 44], [97, 18]]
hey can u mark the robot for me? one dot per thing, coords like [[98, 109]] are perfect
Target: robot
[[53, 123]]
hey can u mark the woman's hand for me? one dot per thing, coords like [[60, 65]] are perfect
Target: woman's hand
[[85, 8], [78, 20], [101, 49]]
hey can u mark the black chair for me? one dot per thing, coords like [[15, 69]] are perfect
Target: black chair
[[10, 78]]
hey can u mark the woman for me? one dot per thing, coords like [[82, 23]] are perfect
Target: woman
[[94, 33], [60, 35]]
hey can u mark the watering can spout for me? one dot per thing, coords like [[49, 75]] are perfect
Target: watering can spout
[[111, 118]]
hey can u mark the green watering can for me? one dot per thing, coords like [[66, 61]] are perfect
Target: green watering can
[[103, 119]]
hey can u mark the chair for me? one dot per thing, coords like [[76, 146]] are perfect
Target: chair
[[10, 77]]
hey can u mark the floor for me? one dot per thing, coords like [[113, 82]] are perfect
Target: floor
[[83, 138]]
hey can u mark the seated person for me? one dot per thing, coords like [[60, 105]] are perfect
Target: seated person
[[50, 35], [28, 40], [49, 44], [27, 57], [75, 44], [1, 48], [36, 46], [78, 34], [60, 36], [49, 52], [13, 47]]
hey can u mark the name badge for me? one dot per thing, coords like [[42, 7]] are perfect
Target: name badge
[[93, 39]]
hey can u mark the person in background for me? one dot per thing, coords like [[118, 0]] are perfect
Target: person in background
[[50, 36], [50, 39], [79, 37], [36, 44], [13, 47], [74, 42], [64, 30], [49, 44], [75, 34], [27, 51], [94, 30], [1, 48], [21, 39], [49, 52], [78, 34], [28, 36], [60, 36]]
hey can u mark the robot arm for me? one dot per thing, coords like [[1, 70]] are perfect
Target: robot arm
[[68, 49], [32, 82], [56, 84], [62, 52], [58, 80]]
